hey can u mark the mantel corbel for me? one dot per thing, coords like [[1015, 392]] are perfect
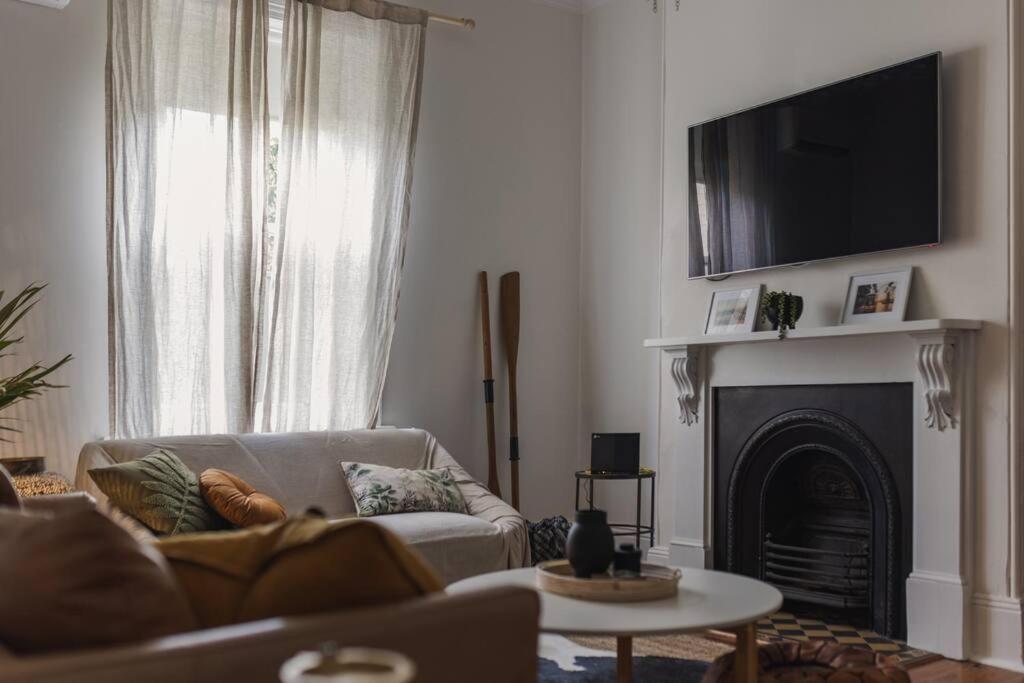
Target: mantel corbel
[[938, 355], [686, 372]]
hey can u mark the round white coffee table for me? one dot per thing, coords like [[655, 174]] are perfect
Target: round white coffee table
[[706, 600]]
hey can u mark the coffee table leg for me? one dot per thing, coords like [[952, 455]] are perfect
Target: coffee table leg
[[624, 652], [745, 666]]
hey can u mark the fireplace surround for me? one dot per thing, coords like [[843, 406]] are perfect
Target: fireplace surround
[[935, 357], [813, 493]]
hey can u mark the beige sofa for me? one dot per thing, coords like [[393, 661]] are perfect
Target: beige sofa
[[302, 470]]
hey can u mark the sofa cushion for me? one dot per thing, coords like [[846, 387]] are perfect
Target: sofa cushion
[[380, 490], [159, 491], [456, 546], [301, 566], [77, 580], [236, 501]]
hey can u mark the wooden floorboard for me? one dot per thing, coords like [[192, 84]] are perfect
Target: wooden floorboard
[[949, 671]]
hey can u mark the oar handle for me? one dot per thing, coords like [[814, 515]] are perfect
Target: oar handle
[[485, 324]]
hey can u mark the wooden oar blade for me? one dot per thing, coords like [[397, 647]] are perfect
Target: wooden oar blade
[[510, 315]]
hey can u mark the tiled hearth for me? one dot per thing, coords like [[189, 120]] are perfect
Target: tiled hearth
[[787, 626]]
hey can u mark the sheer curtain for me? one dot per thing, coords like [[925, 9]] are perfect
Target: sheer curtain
[[352, 75], [187, 118], [219, 323]]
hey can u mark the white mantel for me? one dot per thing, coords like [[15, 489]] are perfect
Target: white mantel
[[936, 355], [905, 327]]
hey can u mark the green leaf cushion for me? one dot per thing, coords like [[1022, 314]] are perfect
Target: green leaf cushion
[[379, 490], [159, 491]]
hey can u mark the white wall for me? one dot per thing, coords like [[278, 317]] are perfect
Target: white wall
[[724, 56], [496, 188], [620, 236], [52, 215]]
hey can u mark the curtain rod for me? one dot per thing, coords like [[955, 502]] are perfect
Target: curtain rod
[[454, 21]]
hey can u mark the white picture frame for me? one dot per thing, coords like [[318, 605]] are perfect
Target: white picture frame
[[864, 293], [733, 311]]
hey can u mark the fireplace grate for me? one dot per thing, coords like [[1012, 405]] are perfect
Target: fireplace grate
[[834, 574]]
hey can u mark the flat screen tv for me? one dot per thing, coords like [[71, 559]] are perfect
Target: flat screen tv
[[849, 168]]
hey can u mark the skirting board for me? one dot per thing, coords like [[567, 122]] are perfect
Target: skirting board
[[689, 552], [936, 613], [658, 555], [996, 638]]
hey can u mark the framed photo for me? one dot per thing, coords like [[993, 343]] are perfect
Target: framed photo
[[733, 310], [877, 296]]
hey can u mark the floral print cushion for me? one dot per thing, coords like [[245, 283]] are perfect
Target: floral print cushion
[[379, 490]]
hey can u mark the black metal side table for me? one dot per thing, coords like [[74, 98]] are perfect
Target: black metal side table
[[637, 529]]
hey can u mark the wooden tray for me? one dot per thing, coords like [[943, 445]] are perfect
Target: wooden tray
[[655, 583]]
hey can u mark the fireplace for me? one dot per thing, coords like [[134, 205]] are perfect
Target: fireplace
[[813, 490]]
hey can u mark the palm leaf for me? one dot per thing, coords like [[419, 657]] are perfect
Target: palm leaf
[[175, 493], [30, 382]]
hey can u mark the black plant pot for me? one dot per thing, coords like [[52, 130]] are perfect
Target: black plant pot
[[772, 313], [590, 545]]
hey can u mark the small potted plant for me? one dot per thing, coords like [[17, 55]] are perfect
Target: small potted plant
[[782, 310]]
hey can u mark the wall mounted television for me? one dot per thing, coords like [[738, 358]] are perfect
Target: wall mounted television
[[848, 168]]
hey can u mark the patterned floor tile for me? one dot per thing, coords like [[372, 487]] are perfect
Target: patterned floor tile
[[786, 626]]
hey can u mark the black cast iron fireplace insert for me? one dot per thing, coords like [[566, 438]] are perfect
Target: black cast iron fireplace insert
[[813, 495]]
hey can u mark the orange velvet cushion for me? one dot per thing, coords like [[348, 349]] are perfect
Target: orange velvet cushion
[[237, 501]]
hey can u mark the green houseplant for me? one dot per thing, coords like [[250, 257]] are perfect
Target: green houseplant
[[32, 381], [782, 310]]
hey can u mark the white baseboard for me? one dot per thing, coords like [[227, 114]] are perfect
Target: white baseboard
[[996, 638], [689, 552], [937, 613], [658, 555]]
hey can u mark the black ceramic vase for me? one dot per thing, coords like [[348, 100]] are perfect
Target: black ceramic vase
[[590, 545]]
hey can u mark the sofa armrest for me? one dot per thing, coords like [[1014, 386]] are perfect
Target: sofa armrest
[[60, 503], [90, 457], [481, 503], [481, 636], [490, 508]]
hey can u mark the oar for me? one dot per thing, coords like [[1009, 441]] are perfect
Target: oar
[[485, 322], [510, 333]]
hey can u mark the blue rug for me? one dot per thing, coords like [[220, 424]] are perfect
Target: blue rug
[[645, 670]]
